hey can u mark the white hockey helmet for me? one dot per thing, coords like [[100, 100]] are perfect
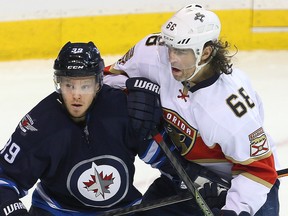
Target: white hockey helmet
[[190, 28]]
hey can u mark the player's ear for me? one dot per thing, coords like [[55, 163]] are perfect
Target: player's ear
[[207, 51]]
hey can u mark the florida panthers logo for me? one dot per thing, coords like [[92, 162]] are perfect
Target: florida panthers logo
[[181, 133], [99, 182]]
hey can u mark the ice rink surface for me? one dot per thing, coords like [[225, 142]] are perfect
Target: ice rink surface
[[25, 83]]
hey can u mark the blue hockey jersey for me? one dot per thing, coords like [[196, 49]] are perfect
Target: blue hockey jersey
[[82, 169]]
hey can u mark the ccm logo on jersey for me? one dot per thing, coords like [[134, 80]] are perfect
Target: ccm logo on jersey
[[143, 84]]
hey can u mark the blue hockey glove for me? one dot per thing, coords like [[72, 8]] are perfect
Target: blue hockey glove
[[144, 107], [218, 212], [13, 208]]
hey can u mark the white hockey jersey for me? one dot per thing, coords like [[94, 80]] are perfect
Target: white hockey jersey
[[218, 123]]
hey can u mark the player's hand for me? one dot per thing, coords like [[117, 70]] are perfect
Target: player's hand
[[218, 212], [13, 208], [211, 186], [213, 194], [144, 108]]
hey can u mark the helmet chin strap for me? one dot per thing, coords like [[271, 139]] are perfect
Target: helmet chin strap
[[198, 67]]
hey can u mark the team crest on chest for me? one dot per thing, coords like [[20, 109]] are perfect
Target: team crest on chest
[[99, 182], [181, 133], [258, 143]]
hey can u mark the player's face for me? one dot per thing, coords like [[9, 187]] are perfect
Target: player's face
[[182, 63], [78, 94]]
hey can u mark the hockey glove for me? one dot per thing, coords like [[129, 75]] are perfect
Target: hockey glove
[[13, 208], [212, 187], [213, 194], [144, 107], [218, 212]]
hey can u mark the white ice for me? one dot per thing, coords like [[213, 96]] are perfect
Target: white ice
[[25, 83]]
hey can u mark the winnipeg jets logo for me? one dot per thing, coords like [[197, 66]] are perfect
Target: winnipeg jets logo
[[99, 183], [26, 124]]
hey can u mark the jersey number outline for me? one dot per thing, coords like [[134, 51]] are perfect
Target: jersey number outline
[[13, 150], [238, 107]]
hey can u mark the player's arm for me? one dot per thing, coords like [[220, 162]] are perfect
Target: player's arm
[[136, 62], [19, 168], [115, 78], [11, 205], [10, 190], [253, 171], [253, 178], [115, 75]]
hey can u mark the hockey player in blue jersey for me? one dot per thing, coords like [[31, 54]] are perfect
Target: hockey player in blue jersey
[[76, 143]]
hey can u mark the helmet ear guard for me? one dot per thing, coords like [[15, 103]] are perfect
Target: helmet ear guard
[[78, 60]]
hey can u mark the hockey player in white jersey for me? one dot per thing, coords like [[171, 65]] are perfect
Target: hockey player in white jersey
[[212, 113]]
